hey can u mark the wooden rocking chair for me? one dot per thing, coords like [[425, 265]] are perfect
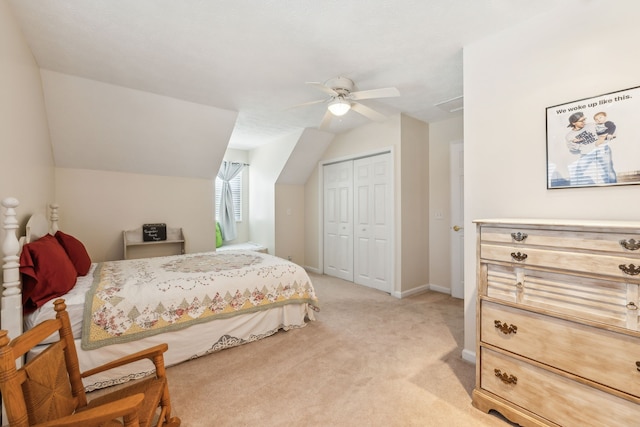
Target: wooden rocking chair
[[48, 390]]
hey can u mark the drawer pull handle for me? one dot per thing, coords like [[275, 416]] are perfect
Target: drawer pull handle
[[506, 378], [504, 328], [638, 366], [630, 269], [519, 256], [519, 286], [632, 306], [519, 237], [630, 244]]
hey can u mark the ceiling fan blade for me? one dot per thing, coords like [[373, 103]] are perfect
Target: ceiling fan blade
[[326, 121], [387, 92], [304, 104], [368, 112], [323, 88]]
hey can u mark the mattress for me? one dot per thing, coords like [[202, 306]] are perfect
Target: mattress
[[74, 299]]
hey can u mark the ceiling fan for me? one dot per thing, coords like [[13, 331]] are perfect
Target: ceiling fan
[[343, 98]]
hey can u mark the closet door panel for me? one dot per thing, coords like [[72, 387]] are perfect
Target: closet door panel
[[363, 215], [372, 229], [338, 220]]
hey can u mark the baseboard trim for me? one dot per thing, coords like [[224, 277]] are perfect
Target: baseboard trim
[[469, 356], [410, 292], [421, 289], [398, 294], [312, 269], [441, 289]]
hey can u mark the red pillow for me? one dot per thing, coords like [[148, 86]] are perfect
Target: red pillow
[[47, 272], [76, 251]]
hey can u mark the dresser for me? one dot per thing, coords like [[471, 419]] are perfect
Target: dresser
[[558, 330]]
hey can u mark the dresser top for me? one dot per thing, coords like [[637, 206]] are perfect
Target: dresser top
[[560, 223]]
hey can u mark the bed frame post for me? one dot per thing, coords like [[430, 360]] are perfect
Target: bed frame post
[[53, 218], [11, 316]]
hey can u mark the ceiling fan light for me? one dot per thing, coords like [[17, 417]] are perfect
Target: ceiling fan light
[[339, 107]]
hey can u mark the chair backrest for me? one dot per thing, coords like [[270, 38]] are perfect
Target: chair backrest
[[49, 386]]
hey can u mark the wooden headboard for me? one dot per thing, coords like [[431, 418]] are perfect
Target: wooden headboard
[[37, 226]]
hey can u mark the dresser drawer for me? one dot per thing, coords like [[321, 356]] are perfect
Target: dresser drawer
[[615, 303], [551, 396], [616, 243], [581, 262], [606, 357]]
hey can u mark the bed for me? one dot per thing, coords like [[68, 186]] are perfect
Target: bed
[[197, 303]]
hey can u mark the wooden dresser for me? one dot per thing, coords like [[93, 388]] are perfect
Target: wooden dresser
[[558, 322]]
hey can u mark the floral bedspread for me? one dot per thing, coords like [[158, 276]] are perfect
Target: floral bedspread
[[131, 299]]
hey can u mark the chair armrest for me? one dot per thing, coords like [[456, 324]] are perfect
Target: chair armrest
[[126, 407], [153, 353]]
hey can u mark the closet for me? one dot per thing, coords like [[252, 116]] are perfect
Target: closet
[[358, 220]]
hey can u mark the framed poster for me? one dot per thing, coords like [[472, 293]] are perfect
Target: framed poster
[[594, 141]]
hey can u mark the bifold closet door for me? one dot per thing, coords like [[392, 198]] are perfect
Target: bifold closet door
[[358, 207], [372, 212], [338, 220]]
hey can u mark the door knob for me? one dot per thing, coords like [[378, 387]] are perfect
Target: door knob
[[457, 228]]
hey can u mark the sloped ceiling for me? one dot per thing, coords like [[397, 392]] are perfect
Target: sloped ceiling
[[304, 157], [100, 126], [254, 57]]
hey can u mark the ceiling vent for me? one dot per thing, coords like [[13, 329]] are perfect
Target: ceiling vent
[[452, 105]]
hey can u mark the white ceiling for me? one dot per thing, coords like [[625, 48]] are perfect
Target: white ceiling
[[254, 57]]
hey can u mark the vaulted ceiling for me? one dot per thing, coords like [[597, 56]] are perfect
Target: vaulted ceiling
[[254, 57]]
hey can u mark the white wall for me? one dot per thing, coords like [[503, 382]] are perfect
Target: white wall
[[290, 214], [584, 49], [441, 135], [26, 161], [125, 157], [267, 163], [96, 206], [289, 222], [414, 209], [312, 227]]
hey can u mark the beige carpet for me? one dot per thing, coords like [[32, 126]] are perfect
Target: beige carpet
[[368, 360]]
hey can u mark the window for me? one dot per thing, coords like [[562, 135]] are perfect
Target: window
[[236, 193]]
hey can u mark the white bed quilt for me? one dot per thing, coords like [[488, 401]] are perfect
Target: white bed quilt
[[133, 299]]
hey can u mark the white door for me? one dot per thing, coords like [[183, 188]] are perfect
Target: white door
[[372, 221], [456, 163], [338, 220]]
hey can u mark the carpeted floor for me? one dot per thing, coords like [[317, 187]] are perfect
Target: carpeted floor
[[368, 360]]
